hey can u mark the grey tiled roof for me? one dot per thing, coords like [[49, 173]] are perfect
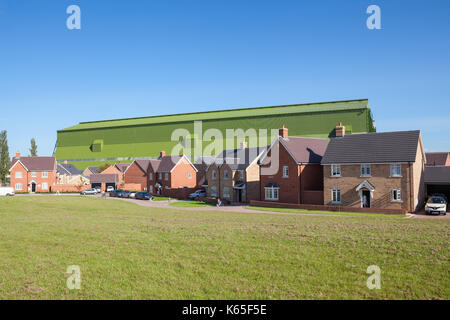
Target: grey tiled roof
[[167, 163], [239, 159], [437, 175], [67, 168], [93, 169], [103, 178], [36, 163], [381, 147], [305, 150]]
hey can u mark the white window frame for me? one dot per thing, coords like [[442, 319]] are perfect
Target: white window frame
[[225, 174], [335, 170], [394, 167], [166, 176], [44, 174], [214, 174], [44, 186], [150, 176], [396, 195], [285, 171], [335, 194], [19, 175], [160, 176], [272, 193], [241, 175], [33, 174], [189, 175], [150, 189], [18, 186], [366, 170]]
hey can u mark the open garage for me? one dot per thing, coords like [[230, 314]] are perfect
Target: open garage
[[437, 180], [102, 181]]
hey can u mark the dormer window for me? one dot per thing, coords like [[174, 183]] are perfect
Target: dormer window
[[285, 172]]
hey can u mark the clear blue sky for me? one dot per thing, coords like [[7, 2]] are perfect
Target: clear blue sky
[[140, 58]]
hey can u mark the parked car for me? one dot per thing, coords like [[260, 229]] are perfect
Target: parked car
[[125, 194], [440, 195], [116, 193], [109, 189], [436, 204], [89, 192], [6, 191], [98, 189], [143, 196], [132, 194], [197, 194]]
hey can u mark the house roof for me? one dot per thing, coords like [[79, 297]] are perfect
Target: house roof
[[437, 158], [67, 168], [103, 178], [143, 164], [239, 159], [36, 163], [122, 166], [167, 163], [384, 147], [155, 164], [437, 175], [93, 169], [305, 150]]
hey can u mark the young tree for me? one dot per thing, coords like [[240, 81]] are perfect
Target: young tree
[[103, 167], [33, 149], [5, 161]]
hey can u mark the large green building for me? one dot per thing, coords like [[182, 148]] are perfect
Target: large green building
[[92, 143]]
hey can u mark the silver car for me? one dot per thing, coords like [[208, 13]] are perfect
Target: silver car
[[436, 205], [89, 192]]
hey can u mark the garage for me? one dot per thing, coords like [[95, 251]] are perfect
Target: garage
[[437, 180], [102, 181]]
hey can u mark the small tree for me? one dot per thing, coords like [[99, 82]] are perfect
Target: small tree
[[103, 167], [5, 161], [33, 149]]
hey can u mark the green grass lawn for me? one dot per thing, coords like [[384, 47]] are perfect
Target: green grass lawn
[[191, 204], [126, 251], [343, 213], [160, 198]]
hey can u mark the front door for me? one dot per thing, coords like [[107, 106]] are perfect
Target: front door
[[365, 199], [33, 187], [239, 195]]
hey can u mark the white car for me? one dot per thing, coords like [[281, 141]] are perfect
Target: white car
[[109, 189], [436, 204], [6, 191]]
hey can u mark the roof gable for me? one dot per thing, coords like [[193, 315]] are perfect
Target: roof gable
[[239, 159], [437, 158]]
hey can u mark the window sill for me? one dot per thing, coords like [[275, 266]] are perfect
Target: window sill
[[336, 202], [271, 199], [397, 201], [395, 176], [335, 176], [365, 176]]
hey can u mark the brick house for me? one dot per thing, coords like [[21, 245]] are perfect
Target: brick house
[[174, 172], [32, 174], [375, 170], [142, 172], [438, 158], [90, 170], [117, 168], [234, 174], [68, 174], [104, 180], [290, 172]]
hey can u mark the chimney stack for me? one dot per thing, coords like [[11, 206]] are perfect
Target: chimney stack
[[243, 144], [340, 130], [162, 154], [17, 154], [283, 132]]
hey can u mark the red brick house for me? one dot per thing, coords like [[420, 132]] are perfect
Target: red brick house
[[290, 172], [117, 168], [142, 172], [32, 174], [174, 172]]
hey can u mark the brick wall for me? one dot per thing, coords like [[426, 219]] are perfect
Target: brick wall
[[350, 179], [27, 179], [134, 175]]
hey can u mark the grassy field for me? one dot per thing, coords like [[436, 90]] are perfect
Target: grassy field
[[342, 213], [194, 204], [127, 251]]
